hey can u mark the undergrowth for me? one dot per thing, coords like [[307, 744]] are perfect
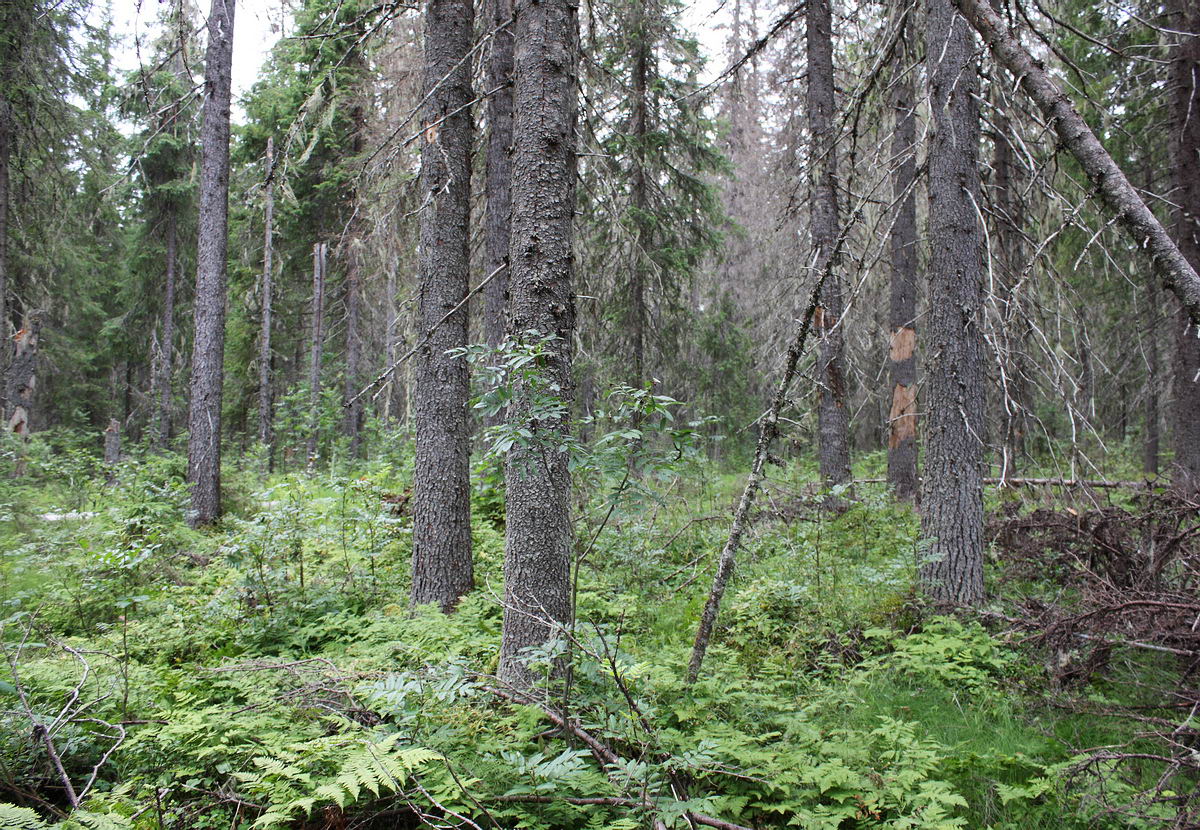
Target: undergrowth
[[270, 673]]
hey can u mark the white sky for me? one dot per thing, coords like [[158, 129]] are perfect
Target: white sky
[[258, 25]]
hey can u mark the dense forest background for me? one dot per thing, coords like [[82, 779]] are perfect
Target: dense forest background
[[522, 414]]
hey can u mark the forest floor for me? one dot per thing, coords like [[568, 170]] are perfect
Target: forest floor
[[270, 672]]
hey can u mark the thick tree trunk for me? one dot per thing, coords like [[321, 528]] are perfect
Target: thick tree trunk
[[1184, 82], [951, 569], [208, 353], [1147, 232], [497, 219], [166, 357], [442, 570], [537, 556], [902, 419], [265, 419], [833, 417], [316, 346]]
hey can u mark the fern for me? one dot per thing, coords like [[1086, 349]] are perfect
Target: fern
[[377, 767], [20, 818]]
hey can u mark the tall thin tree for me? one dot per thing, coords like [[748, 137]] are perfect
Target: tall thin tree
[[951, 570], [208, 353], [902, 419], [833, 416], [441, 562], [1184, 92], [537, 555], [265, 418], [498, 184]]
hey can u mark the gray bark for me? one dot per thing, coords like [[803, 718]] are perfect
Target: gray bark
[[316, 346], [6, 139], [951, 570], [1184, 83], [1151, 331], [902, 419], [112, 442], [640, 196], [1147, 232], [833, 416], [537, 556], [441, 564], [392, 409], [166, 358], [264, 336], [354, 407], [498, 186], [208, 353]]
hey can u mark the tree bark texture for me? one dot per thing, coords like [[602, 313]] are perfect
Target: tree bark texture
[[902, 419], [833, 417], [208, 352], [166, 358], [1151, 330], [265, 405], [639, 272], [1184, 96], [6, 140], [112, 443], [316, 347], [356, 233], [498, 185], [951, 570], [22, 377], [442, 568], [537, 557], [1177, 273]]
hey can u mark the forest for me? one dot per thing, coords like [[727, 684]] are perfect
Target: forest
[[541, 415]]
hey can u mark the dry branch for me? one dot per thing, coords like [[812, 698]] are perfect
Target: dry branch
[[1141, 223]]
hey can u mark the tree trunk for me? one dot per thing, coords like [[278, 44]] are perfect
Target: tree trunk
[[112, 443], [832, 415], [354, 411], [391, 407], [902, 419], [1147, 232], [951, 570], [354, 405], [497, 220], [166, 358], [208, 353], [442, 569], [640, 197], [1184, 82], [537, 556], [1151, 331], [5, 156], [1012, 336], [264, 336], [22, 377], [316, 346]]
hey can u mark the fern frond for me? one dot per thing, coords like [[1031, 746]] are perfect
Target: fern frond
[[13, 817]]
